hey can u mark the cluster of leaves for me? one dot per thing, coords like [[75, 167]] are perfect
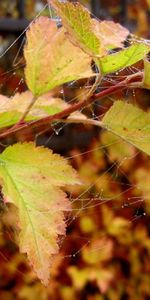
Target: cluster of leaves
[[106, 251], [55, 56]]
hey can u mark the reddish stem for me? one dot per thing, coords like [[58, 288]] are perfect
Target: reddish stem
[[77, 106]]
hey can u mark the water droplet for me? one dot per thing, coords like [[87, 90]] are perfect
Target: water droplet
[[57, 130]]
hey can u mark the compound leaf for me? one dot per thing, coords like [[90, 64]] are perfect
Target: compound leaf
[[130, 123], [31, 179], [51, 59]]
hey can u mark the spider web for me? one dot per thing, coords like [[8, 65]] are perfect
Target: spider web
[[108, 183]]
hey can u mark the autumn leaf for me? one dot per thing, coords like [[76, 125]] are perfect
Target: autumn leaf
[[31, 179], [12, 109], [111, 34], [130, 123], [78, 23], [92, 256], [44, 105], [81, 277], [118, 149], [51, 59]]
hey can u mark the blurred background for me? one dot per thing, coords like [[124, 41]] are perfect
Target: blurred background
[[106, 253]]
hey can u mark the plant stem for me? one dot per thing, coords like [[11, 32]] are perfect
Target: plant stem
[[25, 113], [83, 121], [134, 78], [27, 110]]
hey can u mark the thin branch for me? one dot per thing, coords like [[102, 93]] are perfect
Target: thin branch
[[83, 121], [89, 94], [94, 86], [25, 113], [134, 78], [28, 109]]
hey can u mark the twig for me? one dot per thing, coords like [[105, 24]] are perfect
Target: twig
[[134, 78], [25, 113], [83, 121], [27, 110]]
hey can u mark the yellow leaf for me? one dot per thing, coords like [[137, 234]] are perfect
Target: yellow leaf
[[51, 59], [31, 179]]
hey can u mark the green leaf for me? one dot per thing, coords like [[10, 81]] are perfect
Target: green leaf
[[51, 59], [122, 59], [146, 79], [130, 123], [9, 118], [78, 23], [31, 179]]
